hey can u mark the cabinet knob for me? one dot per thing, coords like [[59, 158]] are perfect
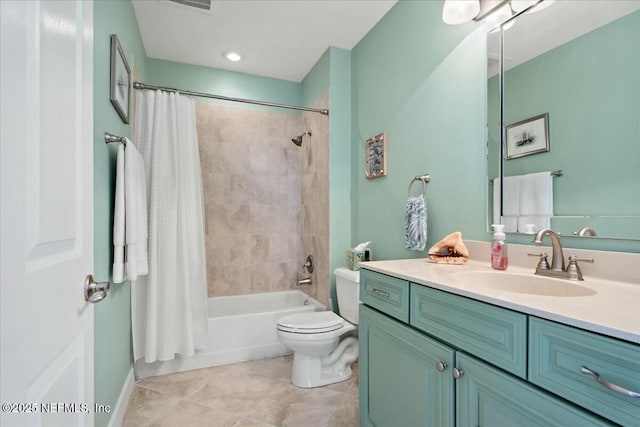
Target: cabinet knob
[[457, 373], [441, 366]]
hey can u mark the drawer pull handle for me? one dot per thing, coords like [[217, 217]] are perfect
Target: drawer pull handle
[[441, 366], [380, 293], [607, 384]]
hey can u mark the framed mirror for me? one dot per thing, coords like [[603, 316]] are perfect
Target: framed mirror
[[579, 63]]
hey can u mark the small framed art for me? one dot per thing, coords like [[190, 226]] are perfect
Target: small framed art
[[120, 80], [376, 156], [528, 137]]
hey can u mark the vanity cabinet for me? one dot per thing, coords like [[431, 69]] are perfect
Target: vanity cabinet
[[403, 384], [458, 362]]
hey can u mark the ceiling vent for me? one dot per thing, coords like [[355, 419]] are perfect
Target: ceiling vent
[[205, 6]]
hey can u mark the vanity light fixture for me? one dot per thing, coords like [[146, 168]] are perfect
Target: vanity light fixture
[[232, 56], [456, 12]]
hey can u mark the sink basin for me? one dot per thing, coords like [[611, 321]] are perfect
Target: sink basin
[[523, 283]]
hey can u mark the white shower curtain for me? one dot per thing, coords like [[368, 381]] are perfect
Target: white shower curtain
[[169, 306]]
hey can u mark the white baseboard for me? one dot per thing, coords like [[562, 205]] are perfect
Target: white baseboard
[[117, 413]]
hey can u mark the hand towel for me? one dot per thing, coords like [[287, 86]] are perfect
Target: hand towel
[[511, 202], [415, 223], [129, 216], [536, 200], [118, 219], [135, 213]]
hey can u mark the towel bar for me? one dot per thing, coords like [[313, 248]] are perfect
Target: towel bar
[[422, 178], [109, 138], [554, 173]]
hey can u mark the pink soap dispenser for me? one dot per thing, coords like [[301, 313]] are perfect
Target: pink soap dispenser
[[499, 259]]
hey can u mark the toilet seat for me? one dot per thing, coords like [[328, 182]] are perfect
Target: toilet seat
[[314, 322]]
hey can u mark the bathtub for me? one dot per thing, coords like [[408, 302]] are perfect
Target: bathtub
[[241, 328]]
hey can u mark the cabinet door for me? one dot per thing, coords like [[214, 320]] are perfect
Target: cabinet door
[[400, 384], [488, 397]]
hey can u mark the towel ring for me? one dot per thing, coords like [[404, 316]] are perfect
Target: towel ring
[[422, 178]]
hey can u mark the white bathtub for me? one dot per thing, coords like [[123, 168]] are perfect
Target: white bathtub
[[241, 328]]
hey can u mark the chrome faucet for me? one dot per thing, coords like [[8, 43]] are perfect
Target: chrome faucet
[[306, 281], [585, 231], [557, 268], [557, 257]]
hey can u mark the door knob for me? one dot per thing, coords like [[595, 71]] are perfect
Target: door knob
[[457, 373], [95, 291]]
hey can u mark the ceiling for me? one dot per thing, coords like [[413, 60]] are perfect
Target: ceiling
[[282, 39]]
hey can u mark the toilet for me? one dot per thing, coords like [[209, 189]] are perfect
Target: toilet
[[324, 344]]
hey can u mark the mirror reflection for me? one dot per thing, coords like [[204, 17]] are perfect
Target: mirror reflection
[[577, 64]]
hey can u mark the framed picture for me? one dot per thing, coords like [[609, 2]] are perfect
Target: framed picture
[[375, 152], [528, 136], [120, 79]]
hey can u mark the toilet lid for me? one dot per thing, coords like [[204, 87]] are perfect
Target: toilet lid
[[311, 322]]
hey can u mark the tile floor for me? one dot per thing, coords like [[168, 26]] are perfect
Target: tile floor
[[249, 394]]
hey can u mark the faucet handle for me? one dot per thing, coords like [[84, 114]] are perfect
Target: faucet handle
[[543, 264], [573, 269], [573, 259]]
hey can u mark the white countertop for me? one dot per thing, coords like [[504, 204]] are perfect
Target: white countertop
[[613, 310]]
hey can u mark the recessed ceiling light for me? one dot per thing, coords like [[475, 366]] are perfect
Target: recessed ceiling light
[[232, 56]]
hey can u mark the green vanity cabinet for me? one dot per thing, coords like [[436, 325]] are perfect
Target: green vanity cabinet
[[456, 361], [400, 381], [486, 396]]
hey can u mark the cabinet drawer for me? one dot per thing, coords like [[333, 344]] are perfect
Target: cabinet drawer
[[388, 294], [557, 354], [494, 334]]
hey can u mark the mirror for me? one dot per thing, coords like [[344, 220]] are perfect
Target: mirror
[[578, 63]]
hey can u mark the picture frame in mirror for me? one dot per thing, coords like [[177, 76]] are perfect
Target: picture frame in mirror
[[526, 137]]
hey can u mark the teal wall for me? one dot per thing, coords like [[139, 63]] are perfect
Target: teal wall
[[423, 83], [594, 126], [340, 162], [220, 82], [112, 328], [333, 72], [317, 80]]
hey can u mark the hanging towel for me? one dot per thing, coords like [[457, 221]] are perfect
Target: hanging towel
[[511, 207], [135, 213], [536, 200], [118, 219], [130, 216], [415, 224]]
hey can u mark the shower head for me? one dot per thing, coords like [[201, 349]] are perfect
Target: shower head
[[298, 139]]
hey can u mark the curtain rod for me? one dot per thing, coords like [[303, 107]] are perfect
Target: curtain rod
[[139, 85]]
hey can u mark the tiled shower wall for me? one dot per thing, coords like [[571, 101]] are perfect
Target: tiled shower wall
[[251, 183], [314, 197]]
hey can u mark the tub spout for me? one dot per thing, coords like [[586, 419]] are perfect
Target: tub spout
[[306, 281]]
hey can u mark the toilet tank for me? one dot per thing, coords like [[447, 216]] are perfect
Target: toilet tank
[[348, 291]]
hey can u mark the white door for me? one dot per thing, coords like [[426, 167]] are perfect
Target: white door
[[46, 356]]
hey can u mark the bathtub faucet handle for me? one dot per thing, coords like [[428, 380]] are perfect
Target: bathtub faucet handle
[[308, 264]]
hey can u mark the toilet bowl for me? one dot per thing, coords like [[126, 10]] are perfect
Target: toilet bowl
[[324, 344]]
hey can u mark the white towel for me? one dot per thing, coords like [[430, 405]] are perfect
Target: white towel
[[118, 219], [135, 213], [130, 216], [511, 189], [536, 200]]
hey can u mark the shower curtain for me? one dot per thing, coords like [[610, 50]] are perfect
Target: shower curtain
[[169, 306]]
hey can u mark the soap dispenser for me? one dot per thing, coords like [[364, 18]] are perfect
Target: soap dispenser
[[499, 259]]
